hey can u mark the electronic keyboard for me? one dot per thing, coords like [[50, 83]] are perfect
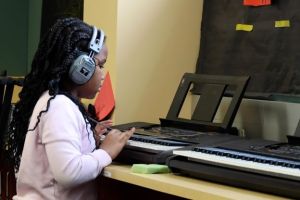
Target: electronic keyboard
[[266, 165], [152, 143], [253, 164]]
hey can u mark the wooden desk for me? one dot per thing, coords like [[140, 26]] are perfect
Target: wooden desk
[[118, 182]]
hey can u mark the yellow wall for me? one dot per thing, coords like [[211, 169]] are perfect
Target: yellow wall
[[151, 44], [103, 14]]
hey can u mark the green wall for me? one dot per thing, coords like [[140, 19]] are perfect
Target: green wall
[[19, 35]]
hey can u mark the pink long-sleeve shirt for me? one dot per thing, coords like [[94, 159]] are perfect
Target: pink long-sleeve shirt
[[58, 159]]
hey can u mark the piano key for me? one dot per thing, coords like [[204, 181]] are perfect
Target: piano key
[[148, 142], [249, 156], [157, 147], [238, 160], [155, 140]]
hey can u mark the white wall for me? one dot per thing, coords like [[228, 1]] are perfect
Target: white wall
[[268, 119]]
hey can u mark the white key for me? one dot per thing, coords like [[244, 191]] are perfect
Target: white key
[[151, 146], [262, 168]]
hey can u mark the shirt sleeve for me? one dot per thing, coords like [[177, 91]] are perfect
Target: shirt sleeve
[[61, 128]]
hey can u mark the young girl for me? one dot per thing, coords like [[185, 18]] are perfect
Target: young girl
[[52, 135]]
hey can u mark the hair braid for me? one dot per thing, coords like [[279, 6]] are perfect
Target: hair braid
[[54, 56]]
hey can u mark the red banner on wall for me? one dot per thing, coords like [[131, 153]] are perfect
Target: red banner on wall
[[257, 2], [105, 101]]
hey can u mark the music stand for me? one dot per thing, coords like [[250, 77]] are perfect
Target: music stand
[[211, 88]]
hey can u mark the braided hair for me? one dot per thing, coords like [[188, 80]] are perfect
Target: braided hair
[[50, 66]]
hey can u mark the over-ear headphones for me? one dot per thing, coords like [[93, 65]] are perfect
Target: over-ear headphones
[[84, 65]]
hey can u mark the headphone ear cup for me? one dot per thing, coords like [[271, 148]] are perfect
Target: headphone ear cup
[[82, 69]]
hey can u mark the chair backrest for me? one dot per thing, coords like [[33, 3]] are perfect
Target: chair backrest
[[7, 175], [8, 84], [2, 87], [6, 104]]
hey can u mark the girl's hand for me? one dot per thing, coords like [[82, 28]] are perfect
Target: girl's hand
[[102, 126], [100, 129], [115, 140]]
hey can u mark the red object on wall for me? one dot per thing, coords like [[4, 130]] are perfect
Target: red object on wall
[[105, 101], [257, 2]]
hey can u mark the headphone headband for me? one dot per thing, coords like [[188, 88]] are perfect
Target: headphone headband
[[96, 44]]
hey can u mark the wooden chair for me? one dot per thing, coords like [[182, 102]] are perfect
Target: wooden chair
[[8, 181], [7, 175], [2, 87]]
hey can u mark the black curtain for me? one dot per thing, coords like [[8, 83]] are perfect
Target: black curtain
[[271, 56], [55, 9]]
